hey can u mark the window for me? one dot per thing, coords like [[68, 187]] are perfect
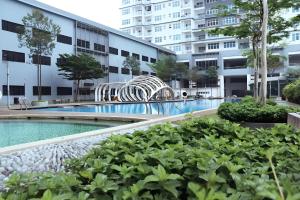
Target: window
[[113, 69], [157, 18], [175, 3], [157, 7], [13, 56], [212, 11], [125, 71], [235, 63], [64, 39], [294, 60], [177, 37], [125, 2], [158, 39], [99, 47], [177, 48], [124, 53], [60, 91], [244, 45], [295, 9], [228, 45], [213, 22], [128, 31], [295, 36], [176, 26], [148, 8], [46, 90], [44, 60], [84, 91], [153, 74], [17, 90], [125, 21], [145, 73], [176, 14], [135, 55], [152, 60], [125, 11], [158, 28], [83, 43], [211, 1], [230, 20], [213, 46], [145, 58], [113, 51], [12, 27], [203, 65]]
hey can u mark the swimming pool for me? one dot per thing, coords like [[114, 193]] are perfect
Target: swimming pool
[[13, 132], [165, 108]]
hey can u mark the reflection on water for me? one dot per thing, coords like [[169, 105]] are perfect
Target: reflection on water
[[166, 108]]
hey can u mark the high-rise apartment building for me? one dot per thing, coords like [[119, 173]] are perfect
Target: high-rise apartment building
[[182, 26]]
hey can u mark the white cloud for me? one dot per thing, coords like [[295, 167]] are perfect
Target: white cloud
[[102, 11]]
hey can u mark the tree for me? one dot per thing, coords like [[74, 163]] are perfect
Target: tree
[[133, 64], [166, 68], [274, 61], [212, 74], [39, 37], [251, 23], [81, 67], [195, 75]]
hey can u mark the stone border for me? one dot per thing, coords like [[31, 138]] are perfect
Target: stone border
[[294, 119], [108, 131]]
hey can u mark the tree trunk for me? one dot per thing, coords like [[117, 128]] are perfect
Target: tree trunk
[[39, 77], [255, 84], [264, 71]]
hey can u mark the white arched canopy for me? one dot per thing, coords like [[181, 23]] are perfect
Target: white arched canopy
[[140, 88]]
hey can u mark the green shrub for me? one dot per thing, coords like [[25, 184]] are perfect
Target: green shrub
[[248, 110], [199, 159], [292, 91]]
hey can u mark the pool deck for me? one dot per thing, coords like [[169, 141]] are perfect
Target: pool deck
[[27, 114]]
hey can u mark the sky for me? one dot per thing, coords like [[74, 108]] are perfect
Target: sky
[[102, 11]]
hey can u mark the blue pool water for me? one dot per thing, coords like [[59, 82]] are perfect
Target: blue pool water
[[166, 108], [13, 132]]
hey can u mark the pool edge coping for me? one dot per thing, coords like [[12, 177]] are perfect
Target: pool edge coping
[[106, 131]]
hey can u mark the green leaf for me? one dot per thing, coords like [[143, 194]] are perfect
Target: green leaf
[[47, 195]]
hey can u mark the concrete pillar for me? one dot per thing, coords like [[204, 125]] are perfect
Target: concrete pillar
[[248, 81], [222, 86]]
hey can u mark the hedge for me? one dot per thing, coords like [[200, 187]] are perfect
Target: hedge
[[249, 111], [292, 91], [197, 160]]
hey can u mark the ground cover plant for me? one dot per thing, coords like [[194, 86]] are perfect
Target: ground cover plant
[[248, 110], [200, 159]]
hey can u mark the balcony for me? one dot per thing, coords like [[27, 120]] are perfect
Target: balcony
[[186, 5], [139, 23], [138, 13], [186, 16], [198, 5]]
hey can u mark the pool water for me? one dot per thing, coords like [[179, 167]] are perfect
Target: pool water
[[165, 108], [13, 132]]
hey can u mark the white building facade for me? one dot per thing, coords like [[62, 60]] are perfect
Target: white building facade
[[78, 35], [182, 26]]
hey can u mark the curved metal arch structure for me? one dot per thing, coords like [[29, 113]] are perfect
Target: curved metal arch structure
[[140, 88]]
